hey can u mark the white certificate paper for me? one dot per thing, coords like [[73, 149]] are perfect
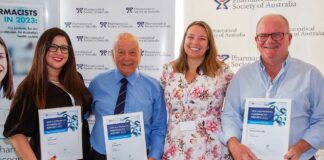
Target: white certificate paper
[[266, 127], [61, 133], [125, 136]]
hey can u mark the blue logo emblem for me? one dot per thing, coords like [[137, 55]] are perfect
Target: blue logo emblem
[[129, 9], [140, 24], [103, 52], [103, 24], [222, 4], [223, 57], [68, 24], [79, 10], [79, 38], [80, 66]]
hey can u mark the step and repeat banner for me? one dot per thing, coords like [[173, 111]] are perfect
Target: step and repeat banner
[[20, 28], [234, 25], [93, 28]]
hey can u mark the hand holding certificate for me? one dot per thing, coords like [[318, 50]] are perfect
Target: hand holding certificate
[[60, 133], [266, 127], [125, 136]]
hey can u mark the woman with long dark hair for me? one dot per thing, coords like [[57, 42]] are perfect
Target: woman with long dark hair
[[52, 81]]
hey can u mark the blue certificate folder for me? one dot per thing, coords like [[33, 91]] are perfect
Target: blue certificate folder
[[258, 115], [119, 131], [55, 125]]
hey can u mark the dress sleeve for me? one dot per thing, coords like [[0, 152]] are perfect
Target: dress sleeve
[[22, 118]]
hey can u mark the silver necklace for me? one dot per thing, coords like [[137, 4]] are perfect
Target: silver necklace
[[55, 82]]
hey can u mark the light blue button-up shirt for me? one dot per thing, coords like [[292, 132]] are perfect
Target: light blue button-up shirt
[[298, 81], [144, 94]]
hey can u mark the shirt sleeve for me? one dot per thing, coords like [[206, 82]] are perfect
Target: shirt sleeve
[[232, 117], [314, 134], [158, 129]]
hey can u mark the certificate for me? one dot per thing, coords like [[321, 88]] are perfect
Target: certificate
[[266, 127], [61, 133], [125, 136]]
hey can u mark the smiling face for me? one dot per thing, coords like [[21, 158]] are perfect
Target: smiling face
[[3, 63], [57, 59], [127, 54], [273, 51], [196, 42]]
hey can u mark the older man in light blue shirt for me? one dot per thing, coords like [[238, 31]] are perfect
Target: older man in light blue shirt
[[277, 75]]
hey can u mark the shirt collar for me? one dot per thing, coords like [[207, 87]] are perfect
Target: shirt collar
[[285, 64], [131, 78]]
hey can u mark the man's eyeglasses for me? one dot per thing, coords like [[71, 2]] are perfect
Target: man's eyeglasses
[[277, 36], [54, 48]]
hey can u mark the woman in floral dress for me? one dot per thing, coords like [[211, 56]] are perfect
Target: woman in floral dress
[[194, 88]]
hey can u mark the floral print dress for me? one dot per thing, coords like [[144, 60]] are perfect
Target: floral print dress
[[198, 105]]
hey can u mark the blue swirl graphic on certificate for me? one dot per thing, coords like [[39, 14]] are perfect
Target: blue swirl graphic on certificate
[[280, 114]]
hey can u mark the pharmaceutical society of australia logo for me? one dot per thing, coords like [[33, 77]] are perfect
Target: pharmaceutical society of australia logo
[[82, 53], [148, 68], [105, 52], [221, 4], [253, 4], [80, 38], [79, 25], [82, 66], [228, 33], [223, 57], [148, 39], [136, 10], [91, 11], [154, 53], [307, 30], [143, 24], [236, 61], [105, 24]]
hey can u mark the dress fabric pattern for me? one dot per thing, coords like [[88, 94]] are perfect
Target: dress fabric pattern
[[200, 102]]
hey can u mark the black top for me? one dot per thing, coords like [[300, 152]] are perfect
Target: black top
[[25, 121]]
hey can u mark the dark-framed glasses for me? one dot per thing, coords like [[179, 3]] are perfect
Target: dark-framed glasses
[[54, 48], [276, 36]]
